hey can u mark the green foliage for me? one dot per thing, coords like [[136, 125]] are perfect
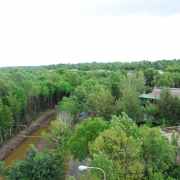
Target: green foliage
[[102, 161], [69, 104], [157, 152], [151, 109], [149, 123], [58, 136], [6, 118], [102, 104], [164, 82], [88, 86], [122, 150], [175, 142], [168, 106], [131, 104], [149, 74], [71, 178], [125, 151], [175, 138], [135, 81], [85, 133], [160, 122], [74, 79], [26, 91], [133, 85], [35, 166], [175, 172], [63, 87], [75, 121], [126, 124]]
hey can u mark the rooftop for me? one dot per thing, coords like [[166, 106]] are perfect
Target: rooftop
[[156, 93]]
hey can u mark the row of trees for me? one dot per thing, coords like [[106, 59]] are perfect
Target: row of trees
[[170, 77], [24, 94], [167, 78], [114, 66]]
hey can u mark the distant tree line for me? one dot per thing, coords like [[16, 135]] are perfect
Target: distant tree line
[[114, 66]]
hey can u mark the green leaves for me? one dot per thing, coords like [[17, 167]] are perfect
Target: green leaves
[[70, 105], [158, 153], [121, 147], [125, 151], [101, 104], [35, 166], [168, 106], [85, 133]]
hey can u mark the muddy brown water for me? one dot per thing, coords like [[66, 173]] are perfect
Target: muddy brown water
[[22, 149]]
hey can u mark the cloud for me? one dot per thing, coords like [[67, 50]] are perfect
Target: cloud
[[163, 8], [40, 32]]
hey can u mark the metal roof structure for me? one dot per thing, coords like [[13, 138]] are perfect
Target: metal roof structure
[[156, 93], [147, 96]]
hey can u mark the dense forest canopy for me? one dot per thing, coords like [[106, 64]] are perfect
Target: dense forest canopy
[[104, 92], [26, 91]]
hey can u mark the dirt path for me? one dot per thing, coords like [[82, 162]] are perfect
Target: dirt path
[[16, 140]]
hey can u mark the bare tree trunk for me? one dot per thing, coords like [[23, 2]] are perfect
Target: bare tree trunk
[[65, 117], [1, 137]]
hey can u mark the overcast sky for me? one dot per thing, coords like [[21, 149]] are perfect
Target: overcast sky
[[43, 32]]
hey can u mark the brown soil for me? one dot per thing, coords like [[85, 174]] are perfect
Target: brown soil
[[16, 140]]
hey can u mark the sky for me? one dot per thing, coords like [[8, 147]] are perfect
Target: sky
[[44, 32]]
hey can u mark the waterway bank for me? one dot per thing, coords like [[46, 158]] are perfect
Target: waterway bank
[[19, 138]]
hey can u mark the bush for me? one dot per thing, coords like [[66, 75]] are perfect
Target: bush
[[175, 173], [149, 123], [35, 166], [159, 122]]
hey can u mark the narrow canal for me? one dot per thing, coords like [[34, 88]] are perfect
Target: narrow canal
[[21, 150]]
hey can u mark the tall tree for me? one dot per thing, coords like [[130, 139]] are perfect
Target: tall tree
[[149, 75], [168, 105], [157, 152], [85, 133], [131, 104], [102, 104], [121, 149], [6, 120], [69, 104]]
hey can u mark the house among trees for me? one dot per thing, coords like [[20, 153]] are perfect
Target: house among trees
[[155, 94]]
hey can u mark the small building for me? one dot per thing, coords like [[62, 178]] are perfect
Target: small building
[[147, 97], [155, 94]]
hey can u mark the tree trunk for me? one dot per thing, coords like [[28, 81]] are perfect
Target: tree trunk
[[1, 137]]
